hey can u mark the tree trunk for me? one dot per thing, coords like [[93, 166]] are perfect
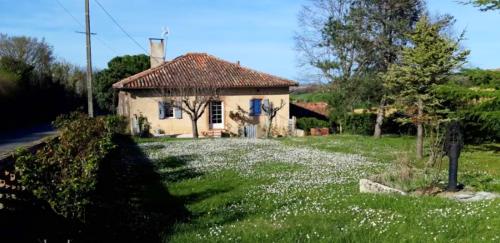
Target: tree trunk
[[420, 130], [194, 124], [269, 127], [380, 119]]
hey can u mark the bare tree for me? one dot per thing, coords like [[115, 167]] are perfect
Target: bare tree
[[31, 51], [327, 40], [191, 100], [352, 40], [271, 112]]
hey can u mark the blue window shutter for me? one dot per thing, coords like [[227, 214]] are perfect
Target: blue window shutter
[[255, 109], [161, 107], [258, 107]]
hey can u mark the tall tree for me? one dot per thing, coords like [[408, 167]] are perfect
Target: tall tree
[[390, 23], [428, 61], [332, 39], [118, 68], [30, 78], [354, 41], [28, 50]]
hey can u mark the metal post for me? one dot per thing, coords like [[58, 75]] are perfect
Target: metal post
[[453, 169], [89, 60], [453, 146]]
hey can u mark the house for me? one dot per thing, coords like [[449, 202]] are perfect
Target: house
[[236, 109]]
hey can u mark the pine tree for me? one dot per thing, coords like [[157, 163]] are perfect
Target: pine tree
[[428, 61]]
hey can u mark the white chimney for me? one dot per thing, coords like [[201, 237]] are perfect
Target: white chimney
[[157, 52]]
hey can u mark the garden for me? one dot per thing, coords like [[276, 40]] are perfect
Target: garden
[[306, 189]]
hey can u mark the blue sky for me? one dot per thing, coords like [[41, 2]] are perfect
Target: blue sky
[[259, 33]]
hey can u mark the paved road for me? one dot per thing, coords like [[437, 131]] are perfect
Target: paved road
[[11, 140]]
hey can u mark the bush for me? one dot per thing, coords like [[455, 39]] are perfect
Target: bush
[[393, 125], [143, 126], [117, 124], [64, 172], [306, 123], [361, 123]]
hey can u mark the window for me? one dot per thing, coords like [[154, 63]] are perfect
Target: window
[[169, 111], [166, 110], [255, 107], [216, 113]]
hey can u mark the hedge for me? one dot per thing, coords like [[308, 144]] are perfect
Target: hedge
[[64, 172], [306, 123]]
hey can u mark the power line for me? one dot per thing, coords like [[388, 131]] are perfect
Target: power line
[[83, 27], [119, 26]]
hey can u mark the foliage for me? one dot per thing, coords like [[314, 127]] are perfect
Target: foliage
[[144, 126], [485, 5], [34, 88], [345, 39], [306, 123], [118, 68], [72, 77], [354, 42], [404, 175], [428, 62], [392, 124], [117, 124], [360, 123], [478, 77], [476, 107], [64, 172], [31, 51]]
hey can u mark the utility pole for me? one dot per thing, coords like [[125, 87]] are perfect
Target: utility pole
[[90, 104]]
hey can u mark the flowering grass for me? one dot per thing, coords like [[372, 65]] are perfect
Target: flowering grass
[[305, 190]]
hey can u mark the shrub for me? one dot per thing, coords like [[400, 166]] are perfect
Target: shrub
[[306, 123], [117, 124], [404, 175], [64, 172], [392, 125], [144, 126], [361, 123]]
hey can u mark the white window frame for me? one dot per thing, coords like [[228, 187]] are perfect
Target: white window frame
[[216, 125]]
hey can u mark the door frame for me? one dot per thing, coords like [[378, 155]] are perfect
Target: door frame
[[216, 125]]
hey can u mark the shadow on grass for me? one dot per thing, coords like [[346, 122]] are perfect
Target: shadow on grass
[[134, 204], [488, 147], [172, 168]]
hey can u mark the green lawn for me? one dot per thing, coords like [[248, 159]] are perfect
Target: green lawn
[[305, 190]]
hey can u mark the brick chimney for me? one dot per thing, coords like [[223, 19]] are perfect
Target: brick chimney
[[157, 52]]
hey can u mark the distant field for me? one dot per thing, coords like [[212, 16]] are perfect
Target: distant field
[[311, 97], [305, 190]]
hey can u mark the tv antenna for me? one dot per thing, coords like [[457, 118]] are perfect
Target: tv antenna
[[164, 34]]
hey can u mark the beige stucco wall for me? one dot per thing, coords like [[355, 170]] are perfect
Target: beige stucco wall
[[135, 102]]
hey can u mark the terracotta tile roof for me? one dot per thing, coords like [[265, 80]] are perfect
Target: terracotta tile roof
[[318, 107], [201, 70]]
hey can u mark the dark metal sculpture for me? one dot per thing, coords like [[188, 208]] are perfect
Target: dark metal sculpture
[[453, 144]]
